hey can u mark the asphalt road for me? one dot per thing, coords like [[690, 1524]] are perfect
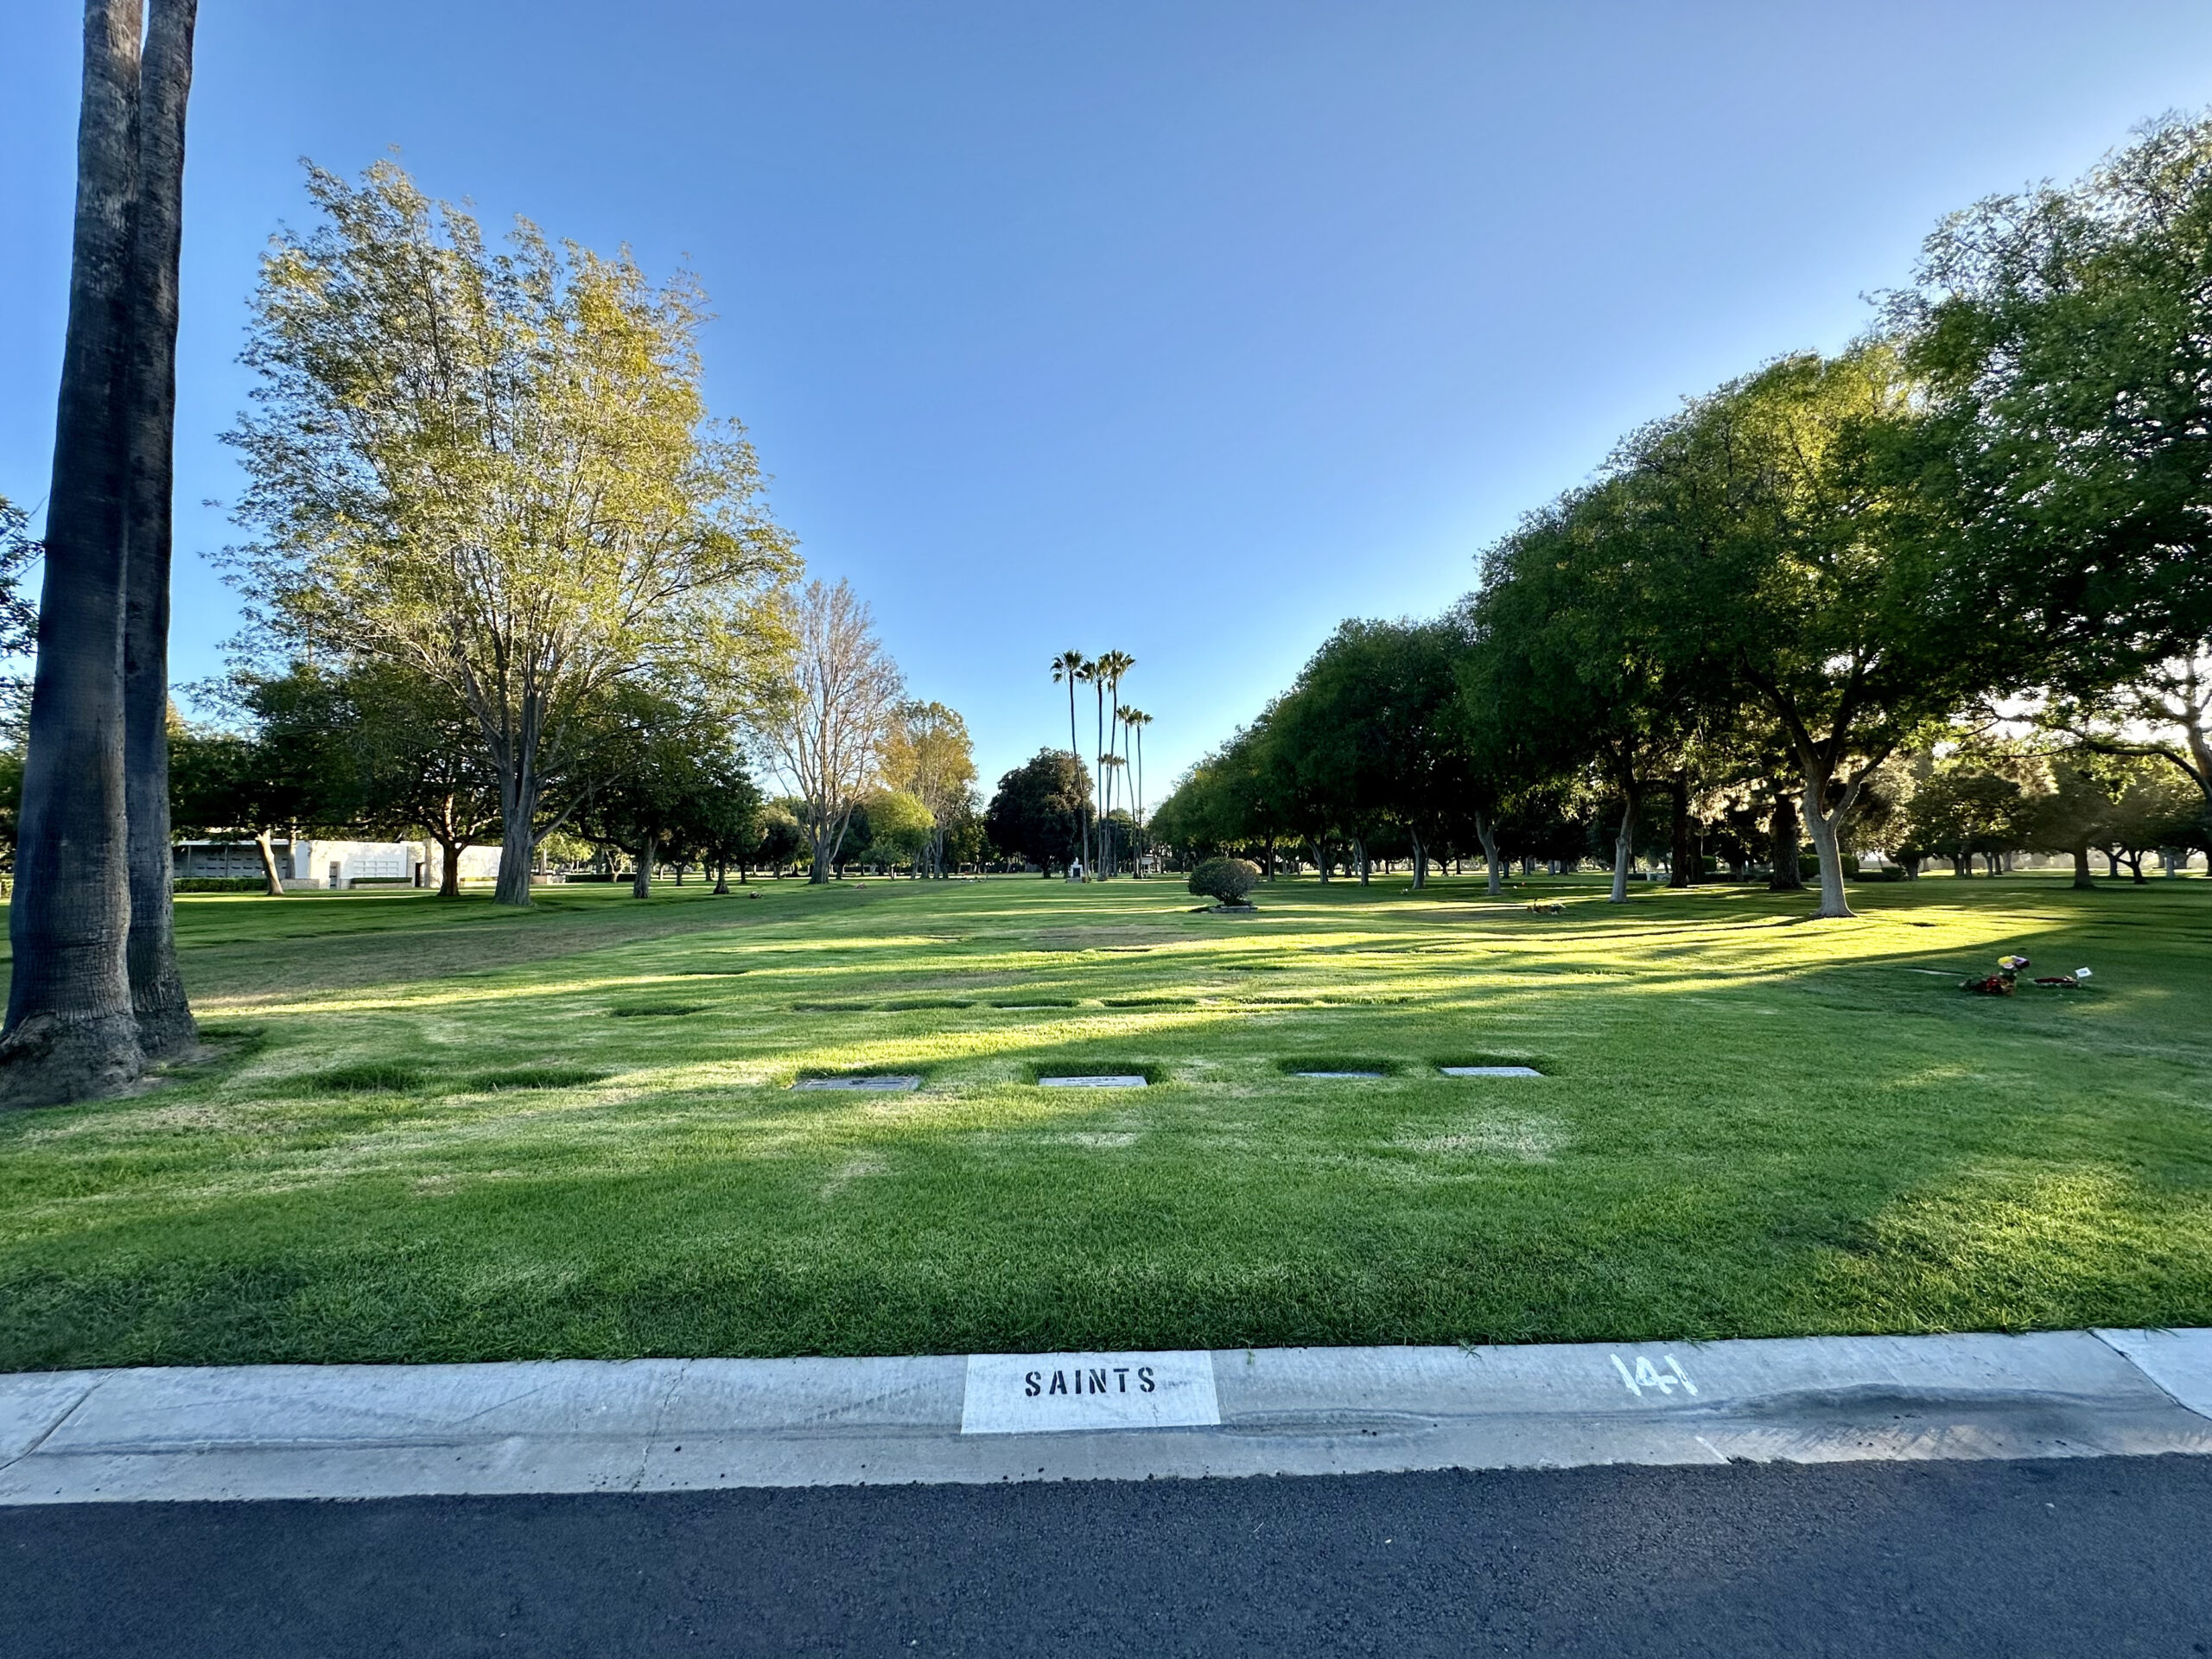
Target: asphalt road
[[2085, 1557]]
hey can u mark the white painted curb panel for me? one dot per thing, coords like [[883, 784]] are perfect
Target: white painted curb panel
[[575, 1425]]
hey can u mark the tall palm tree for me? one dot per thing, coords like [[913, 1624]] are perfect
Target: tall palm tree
[[1094, 672], [158, 998], [1134, 720], [70, 1031], [1111, 666], [1072, 666]]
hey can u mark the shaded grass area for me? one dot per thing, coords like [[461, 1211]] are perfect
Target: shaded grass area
[[439, 1131]]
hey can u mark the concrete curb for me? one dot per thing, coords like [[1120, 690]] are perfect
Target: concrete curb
[[661, 1424]]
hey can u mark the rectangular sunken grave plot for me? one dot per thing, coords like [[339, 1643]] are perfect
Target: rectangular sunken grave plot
[[1096, 1080], [890, 1082], [1337, 1068]]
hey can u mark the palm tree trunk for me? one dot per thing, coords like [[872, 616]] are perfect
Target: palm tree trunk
[[158, 998], [1142, 840], [70, 1033], [1075, 752], [1098, 795]]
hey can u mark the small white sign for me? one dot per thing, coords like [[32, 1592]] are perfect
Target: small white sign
[[1118, 1081], [1046, 1394]]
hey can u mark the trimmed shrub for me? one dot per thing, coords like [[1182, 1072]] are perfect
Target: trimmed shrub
[[220, 884], [1226, 880]]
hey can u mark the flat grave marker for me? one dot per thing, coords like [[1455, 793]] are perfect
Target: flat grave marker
[[1490, 1071], [1052, 1393], [1105, 1080], [1338, 1074], [887, 1081]]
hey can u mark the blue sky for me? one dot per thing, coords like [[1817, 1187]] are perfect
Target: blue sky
[[1188, 329]]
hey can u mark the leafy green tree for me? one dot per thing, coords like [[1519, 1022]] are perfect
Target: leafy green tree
[[1964, 810], [928, 754], [399, 755], [2155, 809], [1573, 653], [719, 817], [1039, 810], [1224, 802], [657, 768], [782, 836], [224, 784], [2068, 334], [497, 471], [1373, 723], [901, 830], [1802, 528], [19, 551]]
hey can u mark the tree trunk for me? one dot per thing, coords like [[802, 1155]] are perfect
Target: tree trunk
[[1486, 832], [1784, 834], [1825, 827], [1624, 850], [275, 883], [1685, 861], [1268, 854], [449, 867], [1421, 862], [518, 831], [71, 1032], [641, 881], [1359, 850], [2083, 876], [158, 998], [722, 880]]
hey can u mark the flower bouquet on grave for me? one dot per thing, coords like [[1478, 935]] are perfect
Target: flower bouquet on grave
[[2000, 982], [2073, 982], [1547, 907]]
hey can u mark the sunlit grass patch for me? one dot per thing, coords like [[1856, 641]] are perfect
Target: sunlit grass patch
[[1750, 1125]]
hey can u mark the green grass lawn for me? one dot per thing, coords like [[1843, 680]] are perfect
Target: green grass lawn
[[438, 1131]]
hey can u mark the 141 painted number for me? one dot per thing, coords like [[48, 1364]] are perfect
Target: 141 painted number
[[1648, 1375]]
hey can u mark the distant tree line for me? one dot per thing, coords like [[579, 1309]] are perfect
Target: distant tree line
[[1948, 591]]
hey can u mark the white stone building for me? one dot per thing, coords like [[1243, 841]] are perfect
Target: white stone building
[[335, 864]]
